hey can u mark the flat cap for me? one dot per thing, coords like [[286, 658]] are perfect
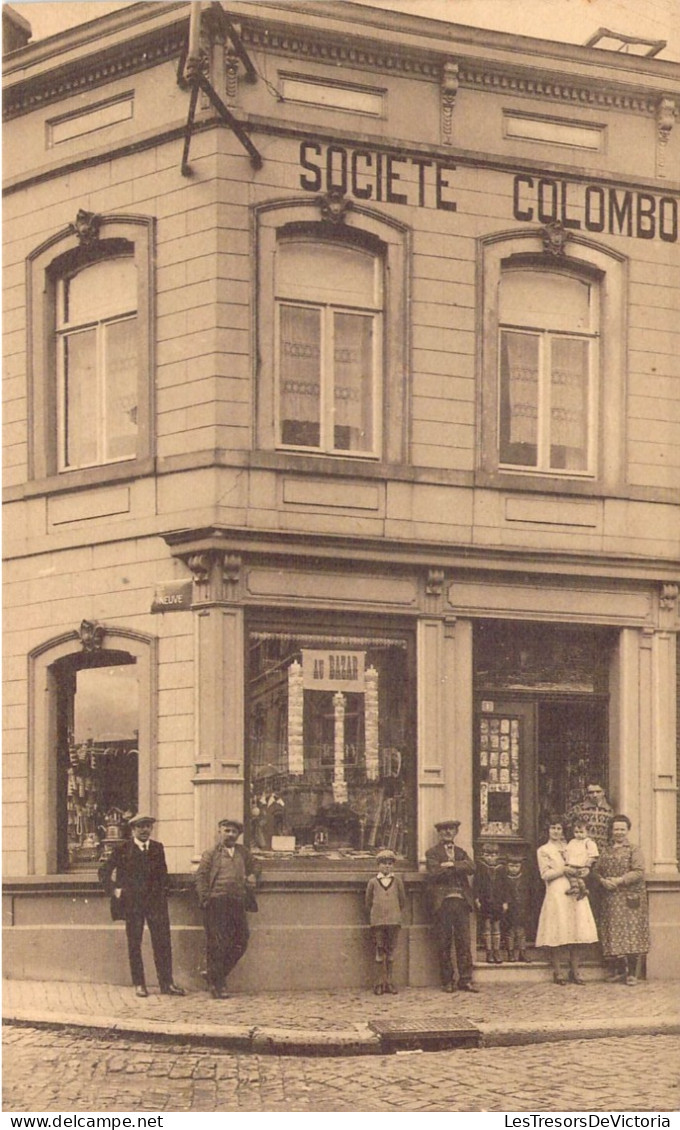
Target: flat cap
[[386, 854], [441, 824], [227, 822], [141, 818]]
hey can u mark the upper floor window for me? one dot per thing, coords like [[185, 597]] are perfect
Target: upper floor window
[[553, 390], [329, 334], [548, 326], [97, 364], [91, 350], [332, 374]]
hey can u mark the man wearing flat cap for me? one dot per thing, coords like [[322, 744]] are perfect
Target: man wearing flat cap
[[448, 868], [225, 883], [140, 887]]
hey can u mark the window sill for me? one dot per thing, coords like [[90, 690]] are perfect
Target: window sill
[[590, 488], [84, 477]]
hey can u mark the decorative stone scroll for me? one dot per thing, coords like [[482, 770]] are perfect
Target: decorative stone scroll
[[449, 91]]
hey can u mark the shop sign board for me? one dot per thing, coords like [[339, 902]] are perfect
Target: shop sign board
[[336, 670]]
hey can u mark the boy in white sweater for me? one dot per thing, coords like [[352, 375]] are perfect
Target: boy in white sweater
[[385, 902]]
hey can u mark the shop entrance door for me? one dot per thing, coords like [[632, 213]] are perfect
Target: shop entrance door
[[534, 755]]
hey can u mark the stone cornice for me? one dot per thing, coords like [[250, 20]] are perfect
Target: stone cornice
[[94, 68], [125, 58], [292, 42]]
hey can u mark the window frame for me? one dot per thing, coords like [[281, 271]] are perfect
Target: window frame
[[383, 236], [546, 337], [58, 258], [327, 311], [312, 630], [585, 259], [43, 725]]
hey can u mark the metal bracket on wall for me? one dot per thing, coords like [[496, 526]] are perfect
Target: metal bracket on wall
[[197, 81]]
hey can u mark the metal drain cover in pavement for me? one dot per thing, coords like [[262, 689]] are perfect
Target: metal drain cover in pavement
[[429, 1035]]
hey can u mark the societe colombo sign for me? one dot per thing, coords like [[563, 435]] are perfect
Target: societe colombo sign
[[390, 178]]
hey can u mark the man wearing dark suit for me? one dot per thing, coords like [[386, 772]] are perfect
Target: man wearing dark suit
[[451, 900], [225, 884], [141, 885]]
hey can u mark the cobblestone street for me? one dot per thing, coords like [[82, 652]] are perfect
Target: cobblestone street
[[49, 1071]]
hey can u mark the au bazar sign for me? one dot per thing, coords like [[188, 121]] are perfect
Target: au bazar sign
[[388, 178]]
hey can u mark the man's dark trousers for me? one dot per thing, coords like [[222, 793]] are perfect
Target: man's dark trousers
[[452, 926], [227, 933], [155, 913]]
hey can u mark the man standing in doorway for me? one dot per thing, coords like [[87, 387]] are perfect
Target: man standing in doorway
[[595, 809], [225, 883], [448, 868], [140, 888]]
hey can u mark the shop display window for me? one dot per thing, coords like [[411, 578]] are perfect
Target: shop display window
[[330, 722]]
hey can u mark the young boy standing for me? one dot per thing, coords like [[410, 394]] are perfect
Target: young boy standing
[[385, 902]]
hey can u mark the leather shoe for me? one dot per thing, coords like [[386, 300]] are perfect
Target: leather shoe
[[469, 988], [172, 991], [141, 991], [450, 988], [219, 994]]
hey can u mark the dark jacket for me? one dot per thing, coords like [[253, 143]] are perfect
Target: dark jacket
[[492, 889], [142, 881], [208, 868], [442, 881]]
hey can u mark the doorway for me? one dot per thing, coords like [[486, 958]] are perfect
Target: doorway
[[540, 736]]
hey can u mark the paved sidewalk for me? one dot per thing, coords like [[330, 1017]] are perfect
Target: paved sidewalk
[[355, 1022]]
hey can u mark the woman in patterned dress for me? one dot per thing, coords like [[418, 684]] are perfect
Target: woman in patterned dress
[[564, 923], [624, 915]]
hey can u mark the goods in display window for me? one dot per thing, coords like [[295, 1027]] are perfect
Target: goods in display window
[[330, 737]]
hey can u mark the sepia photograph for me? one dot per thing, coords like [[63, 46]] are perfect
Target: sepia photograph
[[341, 513]]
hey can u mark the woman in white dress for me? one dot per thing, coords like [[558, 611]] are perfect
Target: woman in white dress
[[564, 923]]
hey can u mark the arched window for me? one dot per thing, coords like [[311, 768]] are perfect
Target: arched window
[[329, 300], [553, 376], [332, 358], [90, 351], [91, 714], [548, 362], [98, 359]]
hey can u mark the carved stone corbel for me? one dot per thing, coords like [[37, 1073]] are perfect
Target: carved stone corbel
[[86, 227], [231, 75], [555, 239], [216, 573], [199, 563], [334, 206], [91, 634], [434, 586], [449, 89], [666, 114], [668, 597], [231, 573]]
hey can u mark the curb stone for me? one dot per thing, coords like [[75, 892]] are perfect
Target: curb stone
[[359, 1040]]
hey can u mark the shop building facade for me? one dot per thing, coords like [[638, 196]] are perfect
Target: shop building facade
[[342, 442]]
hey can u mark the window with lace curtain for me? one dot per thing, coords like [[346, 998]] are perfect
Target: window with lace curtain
[[90, 351], [329, 300], [97, 349], [548, 360]]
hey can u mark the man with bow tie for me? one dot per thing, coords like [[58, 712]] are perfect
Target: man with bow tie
[[140, 885], [448, 868]]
